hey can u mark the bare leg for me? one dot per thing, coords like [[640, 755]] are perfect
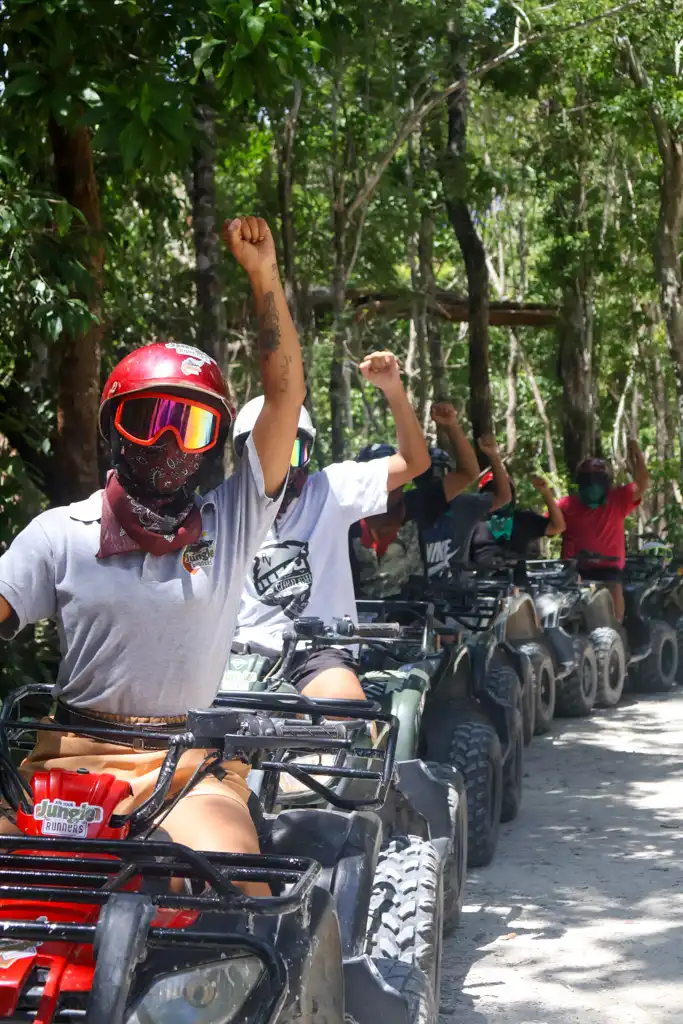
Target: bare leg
[[337, 683], [216, 824], [617, 592]]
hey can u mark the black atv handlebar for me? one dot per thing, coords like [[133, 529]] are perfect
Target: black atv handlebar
[[379, 630]]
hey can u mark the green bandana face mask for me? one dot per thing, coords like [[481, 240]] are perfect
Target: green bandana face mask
[[592, 492], [501, 522]]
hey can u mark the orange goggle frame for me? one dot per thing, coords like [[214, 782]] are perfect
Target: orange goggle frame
[[145, 417]]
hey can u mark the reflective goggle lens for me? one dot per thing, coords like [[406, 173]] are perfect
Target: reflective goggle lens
[[144, 419], [301, 453]]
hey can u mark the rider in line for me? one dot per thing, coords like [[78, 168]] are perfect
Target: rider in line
[[387, 550], [450, 513], [511, 530], [303, 566], [144, 578], [596, 516]]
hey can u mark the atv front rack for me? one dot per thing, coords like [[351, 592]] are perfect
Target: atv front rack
[[90, 871], [115, 897]]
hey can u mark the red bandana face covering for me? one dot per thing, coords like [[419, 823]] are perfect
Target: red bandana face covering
[[153, 509]]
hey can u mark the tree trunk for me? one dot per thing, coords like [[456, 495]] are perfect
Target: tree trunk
[[542, 411], [431, 325], [575, 335], [666, 250], [78, 374], [340, 385], [285, 182], [416, 361], [511, 411], [211, 325], [667, 260], [454, 180], [211, 320]]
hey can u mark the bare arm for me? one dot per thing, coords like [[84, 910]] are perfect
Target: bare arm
[[5, 610], [556, 523], [502, 494], [467, 467], [282, 371], [641, 477], [412, 458]]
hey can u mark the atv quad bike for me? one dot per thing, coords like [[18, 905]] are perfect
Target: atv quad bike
[[585, 639], [485, 598], [426, 800], [92, 929], [654, 601], [459, 706]]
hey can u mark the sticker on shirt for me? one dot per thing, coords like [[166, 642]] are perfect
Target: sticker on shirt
[[198, 556], [66, 818], [282, 576]]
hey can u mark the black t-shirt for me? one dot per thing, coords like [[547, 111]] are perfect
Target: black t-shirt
[[527, 526], [445, 528]]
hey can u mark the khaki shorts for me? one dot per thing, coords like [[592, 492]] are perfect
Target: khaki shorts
[[140, 768]]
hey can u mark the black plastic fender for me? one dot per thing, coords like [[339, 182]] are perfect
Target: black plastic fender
[[311, 948], [501, 712], [482, 650], [368, 997], [430, 795], [347, 847], [456, 682], [521, 663], [562, 650]]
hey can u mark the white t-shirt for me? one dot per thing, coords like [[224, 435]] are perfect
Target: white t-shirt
[[303, 566], [140, 634]]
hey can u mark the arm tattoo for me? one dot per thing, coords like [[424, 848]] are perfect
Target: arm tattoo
[[269, 333], [284, 374]]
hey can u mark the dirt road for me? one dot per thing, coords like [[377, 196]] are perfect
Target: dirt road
[[580, 916]]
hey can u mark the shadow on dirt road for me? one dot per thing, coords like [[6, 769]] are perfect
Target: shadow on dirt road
[[580, 916]]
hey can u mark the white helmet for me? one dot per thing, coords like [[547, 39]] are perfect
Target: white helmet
[[246, 420]]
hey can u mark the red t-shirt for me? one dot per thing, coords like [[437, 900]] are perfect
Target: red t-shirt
[[380, 544], [598, 529]]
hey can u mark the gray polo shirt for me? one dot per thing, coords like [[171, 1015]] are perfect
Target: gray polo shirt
[[140, 634]]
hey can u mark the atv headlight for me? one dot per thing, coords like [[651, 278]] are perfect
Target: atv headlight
[[208, 994]]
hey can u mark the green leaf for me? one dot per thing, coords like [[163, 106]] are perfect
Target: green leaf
[[24, 85], [146, 104], [203, 52], [130, 142], [255, 28], [54, 327], [63, 217]]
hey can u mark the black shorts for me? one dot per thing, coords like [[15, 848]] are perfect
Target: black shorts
[[309, 664], [602, 574]]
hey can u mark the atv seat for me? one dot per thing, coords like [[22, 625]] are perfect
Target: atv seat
[[420, 676]]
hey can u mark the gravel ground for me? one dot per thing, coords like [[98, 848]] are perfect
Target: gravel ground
[[580, 916]]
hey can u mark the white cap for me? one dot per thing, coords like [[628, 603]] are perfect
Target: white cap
[[248, 414]]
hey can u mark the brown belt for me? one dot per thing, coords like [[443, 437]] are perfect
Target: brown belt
[[78, 719]]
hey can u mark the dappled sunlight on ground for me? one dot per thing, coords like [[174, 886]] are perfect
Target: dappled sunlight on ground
[[580, 916]]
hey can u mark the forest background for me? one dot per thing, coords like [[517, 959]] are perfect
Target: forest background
[[493, 190]]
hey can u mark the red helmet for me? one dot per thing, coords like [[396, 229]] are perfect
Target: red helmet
[[169, 364], [593, 464]]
